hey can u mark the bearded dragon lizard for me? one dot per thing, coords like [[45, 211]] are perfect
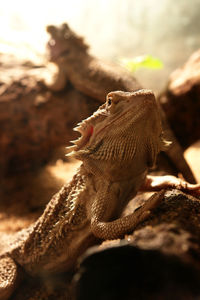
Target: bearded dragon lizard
[[118, 144], [95, 78]]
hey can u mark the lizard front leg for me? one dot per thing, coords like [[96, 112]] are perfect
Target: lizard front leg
[[117, 228], [60, 81], [155, 183]]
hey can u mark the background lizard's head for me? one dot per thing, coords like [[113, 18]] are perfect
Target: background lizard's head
[[64, 43], [126, 127]]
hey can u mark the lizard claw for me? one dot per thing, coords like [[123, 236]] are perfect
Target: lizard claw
[[145, 210], [156, 183], [187, 187], [154, 200]]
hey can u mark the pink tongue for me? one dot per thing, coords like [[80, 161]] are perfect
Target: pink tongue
[[91, 131], [87, 137]]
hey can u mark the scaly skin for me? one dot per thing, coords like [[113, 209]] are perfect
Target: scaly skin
[[87, 74], [96, 79], [118, 144]]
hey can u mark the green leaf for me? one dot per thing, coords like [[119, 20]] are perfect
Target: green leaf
[[144, 61]]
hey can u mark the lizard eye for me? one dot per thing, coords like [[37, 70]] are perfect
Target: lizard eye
[[109, 101], [52, 42]]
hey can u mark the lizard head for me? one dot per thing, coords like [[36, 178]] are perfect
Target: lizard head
[[64, 43], [128, 125]]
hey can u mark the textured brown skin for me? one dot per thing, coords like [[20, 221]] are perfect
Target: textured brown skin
[[118, 144], [96, 79], [107, 179]]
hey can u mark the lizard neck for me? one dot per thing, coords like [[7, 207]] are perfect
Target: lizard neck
[[72, 64]]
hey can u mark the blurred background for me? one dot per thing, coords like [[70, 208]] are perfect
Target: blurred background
[[115, 29]]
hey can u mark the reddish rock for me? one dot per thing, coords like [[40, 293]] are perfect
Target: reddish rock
[[33, 120]]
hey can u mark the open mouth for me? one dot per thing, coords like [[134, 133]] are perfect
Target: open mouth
[[83, 140], [55, 49], [86, 130]]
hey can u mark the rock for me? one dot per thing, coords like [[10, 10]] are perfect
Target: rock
[[192, 155], [184, 79], [181, 101], [34, 121], [159, 260], [128, 272]]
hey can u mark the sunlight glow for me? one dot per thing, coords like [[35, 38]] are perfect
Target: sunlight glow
[[23, 24], [112, 28]]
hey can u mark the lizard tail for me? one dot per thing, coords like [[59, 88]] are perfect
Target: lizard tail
[[175, 152]]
